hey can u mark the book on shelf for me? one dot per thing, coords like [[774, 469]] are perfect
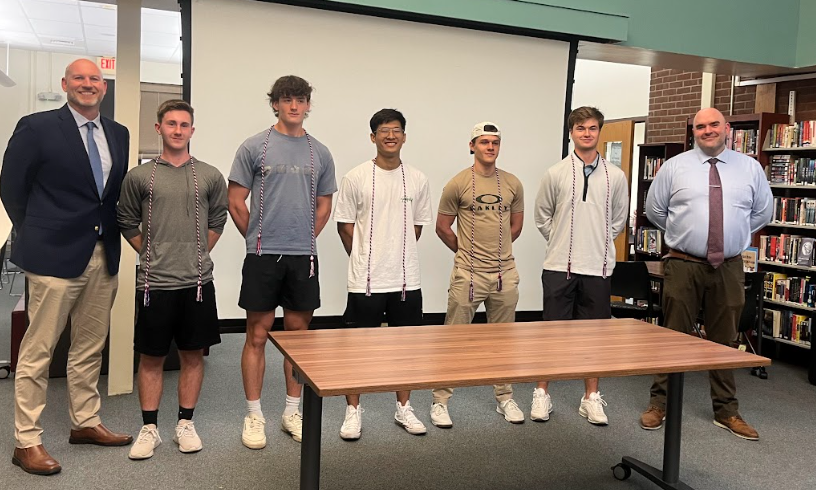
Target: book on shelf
[[649, 240], [791, 289], [797, 135], [650, 167], [787, 249], [791, 170], [742, 140], [787, 325], [794, 210], [750, 257]]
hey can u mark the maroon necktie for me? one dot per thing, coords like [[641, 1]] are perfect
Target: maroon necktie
[[715, 216]]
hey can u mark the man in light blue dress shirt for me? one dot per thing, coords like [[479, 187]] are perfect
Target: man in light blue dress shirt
[[708, 201]]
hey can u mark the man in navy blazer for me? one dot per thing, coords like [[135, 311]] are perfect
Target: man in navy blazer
[[60, 183]]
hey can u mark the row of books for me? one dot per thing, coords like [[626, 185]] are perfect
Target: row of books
[[794, 135], [795, 210], [787, 169], [793, 289], [650, 167], [787, 325], [649, 240], [787, 249], [743, 140]]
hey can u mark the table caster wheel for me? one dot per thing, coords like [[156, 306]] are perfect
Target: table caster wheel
[[4, 372], [621, 472]]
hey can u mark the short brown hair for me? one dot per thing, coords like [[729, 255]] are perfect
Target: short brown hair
[[289, 86], [585, 113], [175, 105]]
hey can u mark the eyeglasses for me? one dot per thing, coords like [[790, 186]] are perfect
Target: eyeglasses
[[387, 131]]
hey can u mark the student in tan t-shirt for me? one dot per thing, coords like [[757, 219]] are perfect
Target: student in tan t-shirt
[[488, 205]]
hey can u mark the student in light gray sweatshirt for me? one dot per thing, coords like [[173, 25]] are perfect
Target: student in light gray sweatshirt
[[172, 210]]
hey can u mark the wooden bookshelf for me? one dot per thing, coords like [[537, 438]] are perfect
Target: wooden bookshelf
[[649, 151], [776, 228]]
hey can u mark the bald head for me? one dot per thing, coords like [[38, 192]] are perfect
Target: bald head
[[710, 130], [85, 87], [82, 65]]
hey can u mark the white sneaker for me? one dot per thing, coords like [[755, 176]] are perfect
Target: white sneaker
[[440, 416], [293, 425], [186, 437], [511, 411], [353, 424], [147, 440], [406, 418], [542, 406], [254, 436], [593, 410]]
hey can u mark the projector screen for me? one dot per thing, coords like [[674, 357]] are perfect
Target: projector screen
[[443, 79]]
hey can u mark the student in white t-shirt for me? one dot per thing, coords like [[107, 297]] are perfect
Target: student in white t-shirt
[[381, 240]]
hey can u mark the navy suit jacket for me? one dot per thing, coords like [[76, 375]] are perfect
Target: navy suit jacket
[[48, 190]]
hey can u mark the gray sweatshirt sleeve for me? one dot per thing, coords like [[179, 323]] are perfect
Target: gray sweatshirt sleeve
[[129, 209], [218, 204]]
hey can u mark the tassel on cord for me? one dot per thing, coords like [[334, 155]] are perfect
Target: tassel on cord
[[604, 271], [147, 295], [500, 282], [199, 295], [368, 287], [402, 298], [258, 248], [470, 295], [311, 266], [569, 266]]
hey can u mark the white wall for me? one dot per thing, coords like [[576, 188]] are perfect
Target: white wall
[[619, 91], [445, 80]]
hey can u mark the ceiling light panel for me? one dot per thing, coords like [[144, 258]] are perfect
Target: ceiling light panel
[[37, 9]]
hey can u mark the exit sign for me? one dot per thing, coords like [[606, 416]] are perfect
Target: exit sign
[[107, 63]]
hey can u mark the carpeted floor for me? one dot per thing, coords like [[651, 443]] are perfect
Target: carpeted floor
[[481, 451]]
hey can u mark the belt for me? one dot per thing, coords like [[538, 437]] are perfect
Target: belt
[[676, 254]]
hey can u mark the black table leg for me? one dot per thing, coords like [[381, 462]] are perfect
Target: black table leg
[[669, 478], [310, 446]]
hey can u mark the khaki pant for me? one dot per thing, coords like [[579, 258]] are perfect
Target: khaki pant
[[87, 300], [500, 307], [685, 285]]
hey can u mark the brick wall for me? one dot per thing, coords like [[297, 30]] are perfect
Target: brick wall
[[674, 96], [744, 97], [805, 98]]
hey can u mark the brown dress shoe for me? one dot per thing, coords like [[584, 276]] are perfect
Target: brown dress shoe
[[738, 427], [99, 435], [652, 418], [35, 460]]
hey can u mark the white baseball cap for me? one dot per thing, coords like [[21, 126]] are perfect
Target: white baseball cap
[[484, 128]]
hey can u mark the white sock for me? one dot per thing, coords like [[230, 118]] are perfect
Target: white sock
[[292, 404], [400, 406], [254, 406], [539, 391]]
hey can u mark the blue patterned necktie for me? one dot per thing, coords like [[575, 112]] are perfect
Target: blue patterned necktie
[[96, 160]]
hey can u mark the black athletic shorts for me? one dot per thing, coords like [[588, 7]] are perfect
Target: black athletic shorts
[[580, 297], [175, 314], [379, 308], [270, 281]]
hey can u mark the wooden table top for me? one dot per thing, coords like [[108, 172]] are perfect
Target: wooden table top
[[655, 268], [373, 360]]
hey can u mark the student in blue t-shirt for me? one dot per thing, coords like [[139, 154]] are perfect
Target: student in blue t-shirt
[[290, 177]]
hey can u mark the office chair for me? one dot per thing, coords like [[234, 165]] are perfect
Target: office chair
[[631, 280]]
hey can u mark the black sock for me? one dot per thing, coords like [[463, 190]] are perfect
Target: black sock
[[150, 417], [185, 413]]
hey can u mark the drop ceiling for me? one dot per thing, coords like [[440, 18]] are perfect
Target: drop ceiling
[[85, 28]]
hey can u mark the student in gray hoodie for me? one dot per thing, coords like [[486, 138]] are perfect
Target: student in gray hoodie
[[172, 210]]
